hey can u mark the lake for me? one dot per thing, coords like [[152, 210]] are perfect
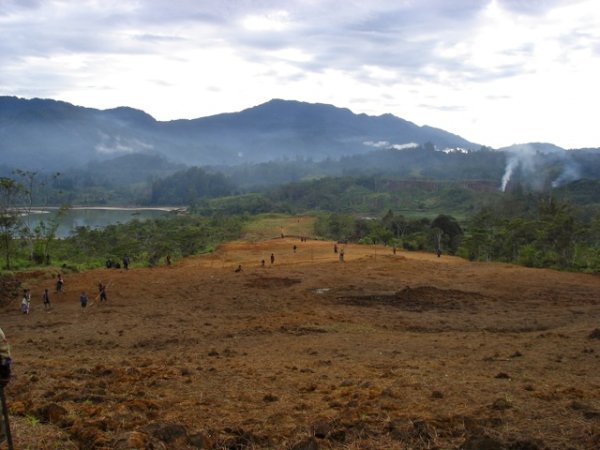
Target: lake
[[97, 217]]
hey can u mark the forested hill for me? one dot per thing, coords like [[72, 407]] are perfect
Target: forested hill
[[55, 135]]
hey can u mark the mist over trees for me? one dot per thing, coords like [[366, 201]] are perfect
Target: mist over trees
[[532, 204], [189, 186]]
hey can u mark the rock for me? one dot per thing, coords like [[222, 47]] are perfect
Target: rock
[[503, 376], [307, 444]]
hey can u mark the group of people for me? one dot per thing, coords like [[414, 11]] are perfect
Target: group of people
[[110, 264], [26, 301], [83, 298]]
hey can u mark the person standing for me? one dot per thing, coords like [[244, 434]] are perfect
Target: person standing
[[5, 363], [102, 292], [46, 299], [272, 258], [25, 302], [83, 300], [126, 262], [59, 283]]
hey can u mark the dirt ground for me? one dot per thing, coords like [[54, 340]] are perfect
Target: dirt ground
[[381, 351]]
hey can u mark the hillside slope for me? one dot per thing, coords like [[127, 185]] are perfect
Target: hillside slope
[[381, 351], [53, 135]]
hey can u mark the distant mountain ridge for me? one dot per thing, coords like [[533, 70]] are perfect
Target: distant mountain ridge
[[54, 135]]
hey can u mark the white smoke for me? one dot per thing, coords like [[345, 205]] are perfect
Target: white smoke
[[533, 166], [570, 172], [511, 164]]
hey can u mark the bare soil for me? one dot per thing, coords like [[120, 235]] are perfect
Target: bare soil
[[382, 351]]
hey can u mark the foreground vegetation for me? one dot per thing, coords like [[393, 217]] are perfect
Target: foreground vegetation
[[143, 242]]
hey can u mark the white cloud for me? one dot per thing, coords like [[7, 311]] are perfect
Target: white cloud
[[270, 21], [495, 72]]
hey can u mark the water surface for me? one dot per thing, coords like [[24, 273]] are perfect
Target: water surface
[[95, 217]]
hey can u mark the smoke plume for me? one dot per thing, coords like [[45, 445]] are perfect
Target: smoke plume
[[537, 165]]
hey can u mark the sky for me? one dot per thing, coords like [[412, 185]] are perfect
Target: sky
[[496, 72]]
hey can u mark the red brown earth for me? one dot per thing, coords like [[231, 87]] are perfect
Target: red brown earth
[[383, 351]]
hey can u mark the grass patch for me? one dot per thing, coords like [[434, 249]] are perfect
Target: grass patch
[[270, 226]]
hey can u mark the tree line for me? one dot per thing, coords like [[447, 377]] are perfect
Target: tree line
[[535, 230]]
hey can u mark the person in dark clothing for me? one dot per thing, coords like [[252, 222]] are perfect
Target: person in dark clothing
[[102, 292], [59, 283], [83, 300], [46, 299], [126, 262], [272, 258]]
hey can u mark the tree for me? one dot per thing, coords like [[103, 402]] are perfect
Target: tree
[[9, 214], [27, 192], [450, 232], [45, 234]]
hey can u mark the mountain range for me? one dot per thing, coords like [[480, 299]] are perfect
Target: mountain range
[[54, 135]]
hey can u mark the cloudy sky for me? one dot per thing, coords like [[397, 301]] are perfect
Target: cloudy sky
[[496, 72]]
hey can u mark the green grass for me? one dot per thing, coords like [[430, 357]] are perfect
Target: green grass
[[270, 226]]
